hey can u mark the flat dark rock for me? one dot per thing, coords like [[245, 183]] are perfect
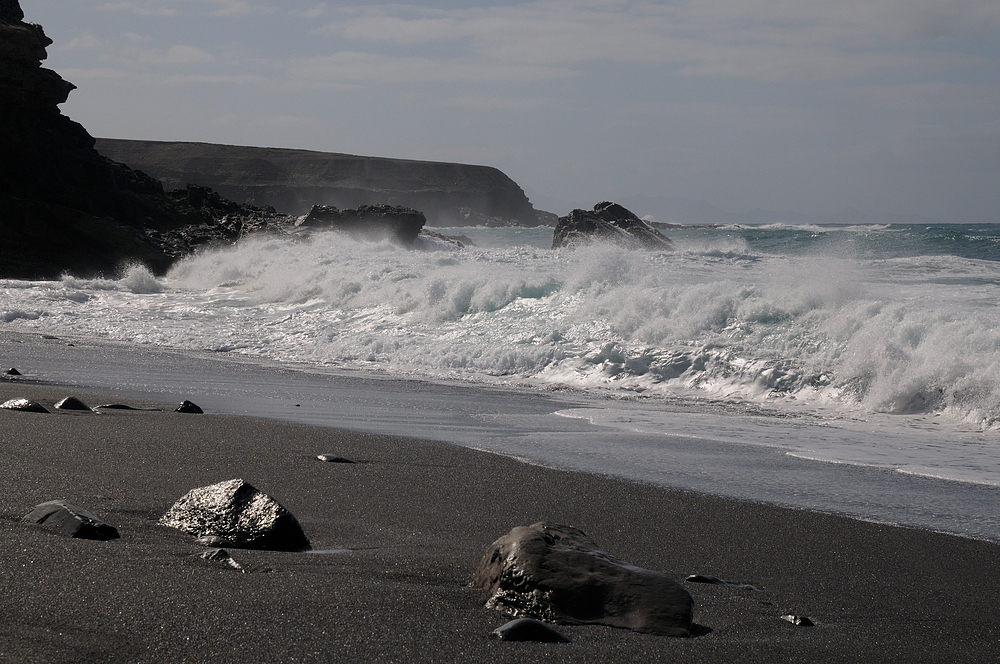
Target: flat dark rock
[[799, 621], [558, 574], [708, 578], [24, 405], [121, 406], [528, 629], [12, 372], [238, 513], [368, 222], [72, 403], [71, 520], [189, 407], [607, 222], [333, 458]]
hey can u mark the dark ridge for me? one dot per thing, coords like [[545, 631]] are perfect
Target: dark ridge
[[293, 181]]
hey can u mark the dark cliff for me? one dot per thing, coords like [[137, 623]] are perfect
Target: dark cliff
[[66, 208], [294, 180]]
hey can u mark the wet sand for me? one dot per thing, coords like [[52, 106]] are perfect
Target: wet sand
[[397, 536]]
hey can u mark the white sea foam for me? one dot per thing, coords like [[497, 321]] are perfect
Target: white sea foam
[[714, 319]]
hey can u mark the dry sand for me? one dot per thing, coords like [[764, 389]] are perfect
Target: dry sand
[[404, 530]]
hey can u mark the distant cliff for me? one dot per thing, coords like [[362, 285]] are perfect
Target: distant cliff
[[292, 181]]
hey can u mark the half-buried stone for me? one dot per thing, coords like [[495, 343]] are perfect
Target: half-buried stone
[[528, 629], [72, 403], [24, 405], [558, 574], [239, 514], [71, 520]]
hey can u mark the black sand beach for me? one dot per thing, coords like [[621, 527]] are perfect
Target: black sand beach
[[397, 537]]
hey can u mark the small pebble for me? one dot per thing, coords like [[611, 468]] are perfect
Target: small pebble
[[221, 556], [528, 629], [800, 621], [333, 458], [707, 578], [188, 407]]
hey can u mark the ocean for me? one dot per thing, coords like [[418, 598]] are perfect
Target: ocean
[[845, 368]]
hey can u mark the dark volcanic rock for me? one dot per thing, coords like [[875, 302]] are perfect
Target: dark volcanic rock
[[295, 180], [368, 222], [63, 206], [333, 458], [558, 574], [608, 222], [72, 403], [12, 372], [71, 521], [238, 513], [189, 407], [528, 629], [24, 405]]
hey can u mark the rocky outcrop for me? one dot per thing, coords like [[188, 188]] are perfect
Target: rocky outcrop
[[293, 181], [238, 514], [70, 520], [608, 222], [558, 574], [63, 206], [368, 222]]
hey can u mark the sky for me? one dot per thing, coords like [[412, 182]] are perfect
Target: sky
[[887, 107]]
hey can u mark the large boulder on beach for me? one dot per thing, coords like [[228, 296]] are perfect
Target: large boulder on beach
[[368, 222], [239, 514], [608, 222], [71, 520], [558, 574]]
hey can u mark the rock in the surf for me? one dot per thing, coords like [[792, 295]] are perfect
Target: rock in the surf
[[189, 407], [368, 222], [239, 514], [608, 222], [24, 405], [12, 372], [71, 520], [528, 629], [558, 574], [72, 403]]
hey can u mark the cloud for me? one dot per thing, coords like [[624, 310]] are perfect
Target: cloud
[[177, 54], [350, 67], [85, 41], [170, 8], [140, 8], [159, 80], [230, 7], [771, 40]]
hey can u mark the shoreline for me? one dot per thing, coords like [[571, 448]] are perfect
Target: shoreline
[[414, 516], [712, 450]]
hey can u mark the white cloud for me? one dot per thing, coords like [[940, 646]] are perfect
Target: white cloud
[[230, 7], [755, 39], [360, 68], [177, 54], [140, 8], [85, 41]]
